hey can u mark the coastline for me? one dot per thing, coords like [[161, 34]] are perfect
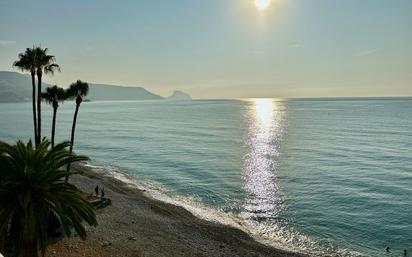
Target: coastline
[[138, 225]]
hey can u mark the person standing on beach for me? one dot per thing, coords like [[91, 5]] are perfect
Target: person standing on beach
[[103, 192], [96, 190]]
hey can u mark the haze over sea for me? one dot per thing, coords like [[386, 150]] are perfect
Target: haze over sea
[[326, 176]]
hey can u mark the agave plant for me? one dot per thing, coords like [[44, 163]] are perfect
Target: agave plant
[[32, 188]]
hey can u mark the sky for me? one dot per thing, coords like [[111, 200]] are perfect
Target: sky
[[220, 48]]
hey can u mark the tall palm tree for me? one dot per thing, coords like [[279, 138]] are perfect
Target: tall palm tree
[[27, 62], [45, 64], [76, 91], [53, 96], [32, 188]]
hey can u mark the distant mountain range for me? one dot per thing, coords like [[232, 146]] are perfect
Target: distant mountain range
[[113, 92], [16, 87]]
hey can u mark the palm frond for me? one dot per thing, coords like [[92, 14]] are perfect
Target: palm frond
[[50, 69], [77, 89], [54, 95], [32, 187], [26, 61]]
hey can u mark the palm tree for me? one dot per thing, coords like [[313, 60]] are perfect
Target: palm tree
[[53, 96], [27, 62], [45, 63], [77, 91], [32, 188]]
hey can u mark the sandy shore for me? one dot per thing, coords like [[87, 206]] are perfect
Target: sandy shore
[[137, 225]]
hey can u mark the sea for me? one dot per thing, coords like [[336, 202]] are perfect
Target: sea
[[328, 177]]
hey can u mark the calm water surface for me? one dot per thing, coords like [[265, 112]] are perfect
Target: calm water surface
[[332, 177]]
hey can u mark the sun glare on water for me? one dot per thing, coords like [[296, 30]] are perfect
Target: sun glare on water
[[262, 4]]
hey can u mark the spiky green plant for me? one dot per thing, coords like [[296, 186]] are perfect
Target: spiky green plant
[[32, 187]]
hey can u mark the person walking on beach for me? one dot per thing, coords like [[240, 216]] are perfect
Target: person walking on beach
[[103, 192], [96, 190]]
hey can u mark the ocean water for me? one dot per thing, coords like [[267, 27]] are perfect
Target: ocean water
[[330, 177]]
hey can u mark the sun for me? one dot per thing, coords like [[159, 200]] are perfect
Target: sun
[[262, 4]]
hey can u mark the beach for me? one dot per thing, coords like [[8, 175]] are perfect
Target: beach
[[138, 225]]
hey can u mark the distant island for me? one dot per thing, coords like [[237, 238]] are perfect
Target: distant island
[[14, 88], [179, 95]]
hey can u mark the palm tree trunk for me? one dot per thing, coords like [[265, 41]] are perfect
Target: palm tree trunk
[[39, 75], [28, 248], [53, 126], [33, 83], [72, 138], [14, 234]]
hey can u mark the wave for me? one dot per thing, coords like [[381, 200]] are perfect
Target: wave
[[275, 234]]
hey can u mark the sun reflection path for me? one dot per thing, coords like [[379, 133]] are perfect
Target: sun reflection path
[[263, 198], [264, 109]]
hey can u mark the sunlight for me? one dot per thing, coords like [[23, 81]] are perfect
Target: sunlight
[[262, 4], [264, 109]]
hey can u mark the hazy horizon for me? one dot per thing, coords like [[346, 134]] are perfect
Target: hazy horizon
[[221, 49]]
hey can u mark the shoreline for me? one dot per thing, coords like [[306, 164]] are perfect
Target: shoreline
[[138, 225]]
